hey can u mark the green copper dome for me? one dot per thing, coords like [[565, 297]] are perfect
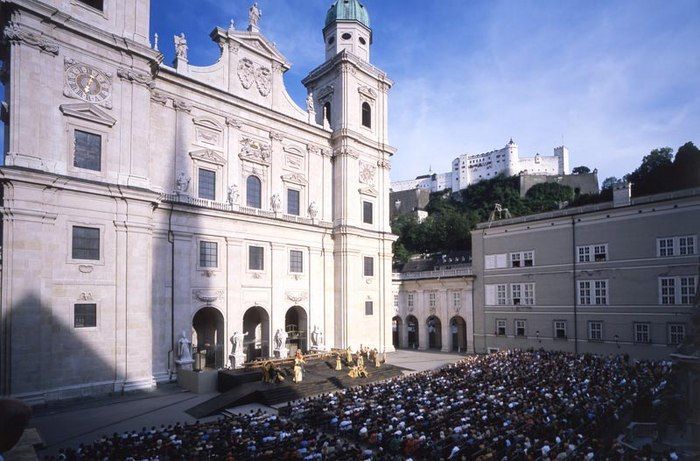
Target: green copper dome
[[347, 10]]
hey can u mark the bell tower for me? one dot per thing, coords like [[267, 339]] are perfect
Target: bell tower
[[350, 100], [347, 28]]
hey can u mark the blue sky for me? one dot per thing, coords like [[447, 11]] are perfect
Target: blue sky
[[612, 79]]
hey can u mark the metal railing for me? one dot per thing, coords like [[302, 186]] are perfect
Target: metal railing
[[443, 273]]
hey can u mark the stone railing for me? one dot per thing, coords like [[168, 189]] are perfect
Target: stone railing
[[184, 199], [444, 273]]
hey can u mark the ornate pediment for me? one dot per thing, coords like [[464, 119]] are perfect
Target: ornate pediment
[[209, 156], [207, 296], [89, 112], [371, 191], [368, 92], [255, 151], [296, 178]]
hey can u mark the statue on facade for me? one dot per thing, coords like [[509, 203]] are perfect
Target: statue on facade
[[313, 210], [184, 352], [254, 15], [237, 342], [276, 202], [310, 103], [182, 183], [316, 338], [232, 195], [280, 341], [180, 46]]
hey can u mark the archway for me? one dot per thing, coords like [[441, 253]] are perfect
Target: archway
[[296, 326], [256, 323], [458, 333], [396, 325], [434, 332], [208, 325], [412, 325]]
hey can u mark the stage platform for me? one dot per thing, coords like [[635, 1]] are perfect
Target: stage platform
[[241, 387]]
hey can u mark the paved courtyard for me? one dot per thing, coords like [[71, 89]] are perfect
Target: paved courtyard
[[69, 424]]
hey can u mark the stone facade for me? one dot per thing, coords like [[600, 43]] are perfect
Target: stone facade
[[468, 169], [216, 204], [617, 277]]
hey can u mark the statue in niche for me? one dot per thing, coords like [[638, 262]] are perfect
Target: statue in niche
[[181, 46], [182, 183], [313, 210], [184, 351], [232, 195], [276, 202], [280, 339], [254, 15]]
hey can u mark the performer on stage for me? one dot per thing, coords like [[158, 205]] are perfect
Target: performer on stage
[[348, 356], [266, 372], [338, 363], [377, 361], [298, 361], [360, 360]]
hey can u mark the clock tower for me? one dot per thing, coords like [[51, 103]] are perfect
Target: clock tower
[[350, 99]]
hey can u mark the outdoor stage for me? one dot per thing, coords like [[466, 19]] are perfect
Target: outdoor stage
[[245, 386]]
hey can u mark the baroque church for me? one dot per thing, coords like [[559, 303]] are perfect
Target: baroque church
[[143, 202]]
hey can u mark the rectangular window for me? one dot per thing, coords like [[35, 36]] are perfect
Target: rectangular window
[[528, 258], [296, 261], [498, 261], [500, 327], [676, 333], [396, 301], [668, 290], [642, 333], [369, 308], [208, 254], [560, 329], [520, 328], [584, 254], [686, 245], [432, 299], [600, 253], [86, 243], [601, 292], [528, 294], [516, 294], [688, 285], [207, 184], [256, 258], [293, 202], [456, 300], [367, 213], [665, 246], [515, 260], [84, 315], [595, 331], [584, 292], [502, 295], [410, 303], [88, 151], [369, 266], [97, 4]]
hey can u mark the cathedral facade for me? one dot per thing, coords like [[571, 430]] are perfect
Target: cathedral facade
[[144, 201]]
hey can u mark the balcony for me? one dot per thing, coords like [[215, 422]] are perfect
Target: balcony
[[438, 274]]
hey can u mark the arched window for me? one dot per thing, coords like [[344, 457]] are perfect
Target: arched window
[[327, 112], [253, 192], [366, 115]]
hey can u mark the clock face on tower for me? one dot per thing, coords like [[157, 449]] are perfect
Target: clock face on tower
[[88, 83]]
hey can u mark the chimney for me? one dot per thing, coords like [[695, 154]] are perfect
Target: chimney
[[622, 193]]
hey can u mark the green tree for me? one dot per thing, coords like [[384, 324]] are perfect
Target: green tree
[[686, 166], [581, 170], [655, 174]]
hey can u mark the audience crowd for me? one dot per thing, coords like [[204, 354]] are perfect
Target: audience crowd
[[512, 405]]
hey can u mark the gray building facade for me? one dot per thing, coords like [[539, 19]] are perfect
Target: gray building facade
[[617, 277]]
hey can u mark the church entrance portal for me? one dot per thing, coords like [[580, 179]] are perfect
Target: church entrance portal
[[412, 325], [256, 323], [458, 332], [296, 326], [396, 325], [208, 324], [434, 333]]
